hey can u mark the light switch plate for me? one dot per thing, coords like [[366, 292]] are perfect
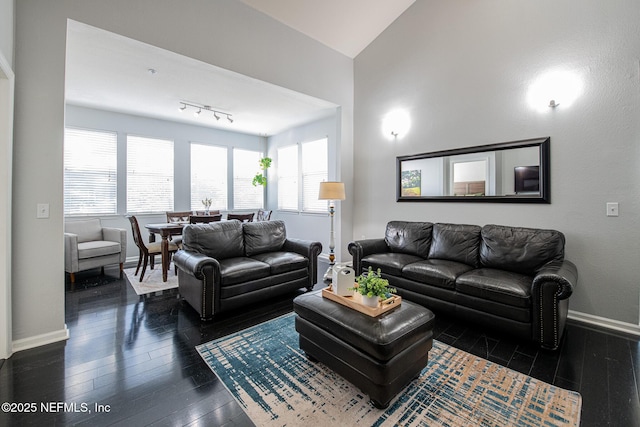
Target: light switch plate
[[43, 210], [612, 209]]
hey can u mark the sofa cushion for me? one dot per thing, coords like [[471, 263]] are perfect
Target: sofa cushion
[[282, 262], [389, 263], [242, 269], [456, 242], [518, 249], [263, 236], [413, 238], [217, 240], [87, 229], [496, 285], [97, 248], [435, 272]]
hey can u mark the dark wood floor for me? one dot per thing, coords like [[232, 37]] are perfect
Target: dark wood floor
[[135, 357]]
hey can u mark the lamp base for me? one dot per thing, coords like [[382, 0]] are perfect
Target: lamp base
[[328, 275]]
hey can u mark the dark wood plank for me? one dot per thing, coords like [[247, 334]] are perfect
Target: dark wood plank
[[138, 356]]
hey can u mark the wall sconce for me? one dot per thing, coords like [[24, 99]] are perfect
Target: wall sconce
[[555, 87], [396, 124], [199, 108]]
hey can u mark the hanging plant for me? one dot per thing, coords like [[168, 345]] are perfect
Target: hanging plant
[[260, 178]]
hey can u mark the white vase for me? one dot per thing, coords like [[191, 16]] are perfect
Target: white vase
[[370, 301]]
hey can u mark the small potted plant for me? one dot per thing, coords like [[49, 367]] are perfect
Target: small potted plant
[[260, 178], [207, 204], [372, 287]]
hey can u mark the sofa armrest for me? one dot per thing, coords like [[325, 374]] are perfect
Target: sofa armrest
[[551, 288], [361, 248], [199, 281], [119, 235], [71, 261], [309, 249], [194, 263], [564, 274]]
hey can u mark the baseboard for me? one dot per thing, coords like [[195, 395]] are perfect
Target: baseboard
[[39, 340], [603, 322]]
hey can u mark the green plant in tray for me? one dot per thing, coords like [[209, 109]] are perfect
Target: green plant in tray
[[372, 284]]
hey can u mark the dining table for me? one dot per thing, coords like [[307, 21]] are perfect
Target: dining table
[[165, 230]]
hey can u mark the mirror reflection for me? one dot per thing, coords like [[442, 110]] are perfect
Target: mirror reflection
[[513, 171]]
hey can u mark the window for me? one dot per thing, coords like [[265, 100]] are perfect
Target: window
[[245, 166], [302, 178], [208, 176], [90, 172], [314, 171], [288, 178], [149, 174]]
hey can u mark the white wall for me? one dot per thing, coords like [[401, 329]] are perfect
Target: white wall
[[7, 80], [224, 33], [7, 16], [462, 70]]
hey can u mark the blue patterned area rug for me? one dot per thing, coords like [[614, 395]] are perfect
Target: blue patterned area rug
[[273, 381]]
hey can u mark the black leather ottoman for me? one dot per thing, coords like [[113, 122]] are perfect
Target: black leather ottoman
[[379, 355]]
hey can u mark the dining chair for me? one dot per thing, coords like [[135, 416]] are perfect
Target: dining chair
[[178, 216], [203, 219], [263, 215], [147, 250], [211, 212], [241, 217]]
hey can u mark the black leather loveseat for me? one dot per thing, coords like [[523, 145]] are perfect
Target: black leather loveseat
[[507, 278], [229, 264]]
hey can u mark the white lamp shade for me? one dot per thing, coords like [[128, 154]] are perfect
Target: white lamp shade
[[331, 190]]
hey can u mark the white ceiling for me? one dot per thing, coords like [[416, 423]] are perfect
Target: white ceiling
[[112, 72], [347, 26]]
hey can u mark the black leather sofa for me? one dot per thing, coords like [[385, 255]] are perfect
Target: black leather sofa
[[511, 279], [229, 264]]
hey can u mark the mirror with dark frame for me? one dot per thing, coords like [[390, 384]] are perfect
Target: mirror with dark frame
[[509, 172]]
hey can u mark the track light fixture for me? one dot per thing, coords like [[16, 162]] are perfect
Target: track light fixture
[[200, 108]]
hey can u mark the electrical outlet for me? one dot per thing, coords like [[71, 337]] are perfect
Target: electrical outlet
[[42, 210], [612, 209]]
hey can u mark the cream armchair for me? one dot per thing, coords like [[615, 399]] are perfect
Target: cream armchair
[[87, 244]]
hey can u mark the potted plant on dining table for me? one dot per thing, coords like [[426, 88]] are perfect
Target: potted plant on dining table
[[207, 205]]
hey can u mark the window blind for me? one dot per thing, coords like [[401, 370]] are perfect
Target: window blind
[[245, 166], [314, 156], [288, 178], [208, 176], [149, 174], [90, 172]]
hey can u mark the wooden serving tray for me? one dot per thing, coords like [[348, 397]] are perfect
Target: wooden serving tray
[[355, 302]]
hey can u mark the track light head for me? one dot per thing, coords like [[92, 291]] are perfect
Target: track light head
[[217, 114]]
